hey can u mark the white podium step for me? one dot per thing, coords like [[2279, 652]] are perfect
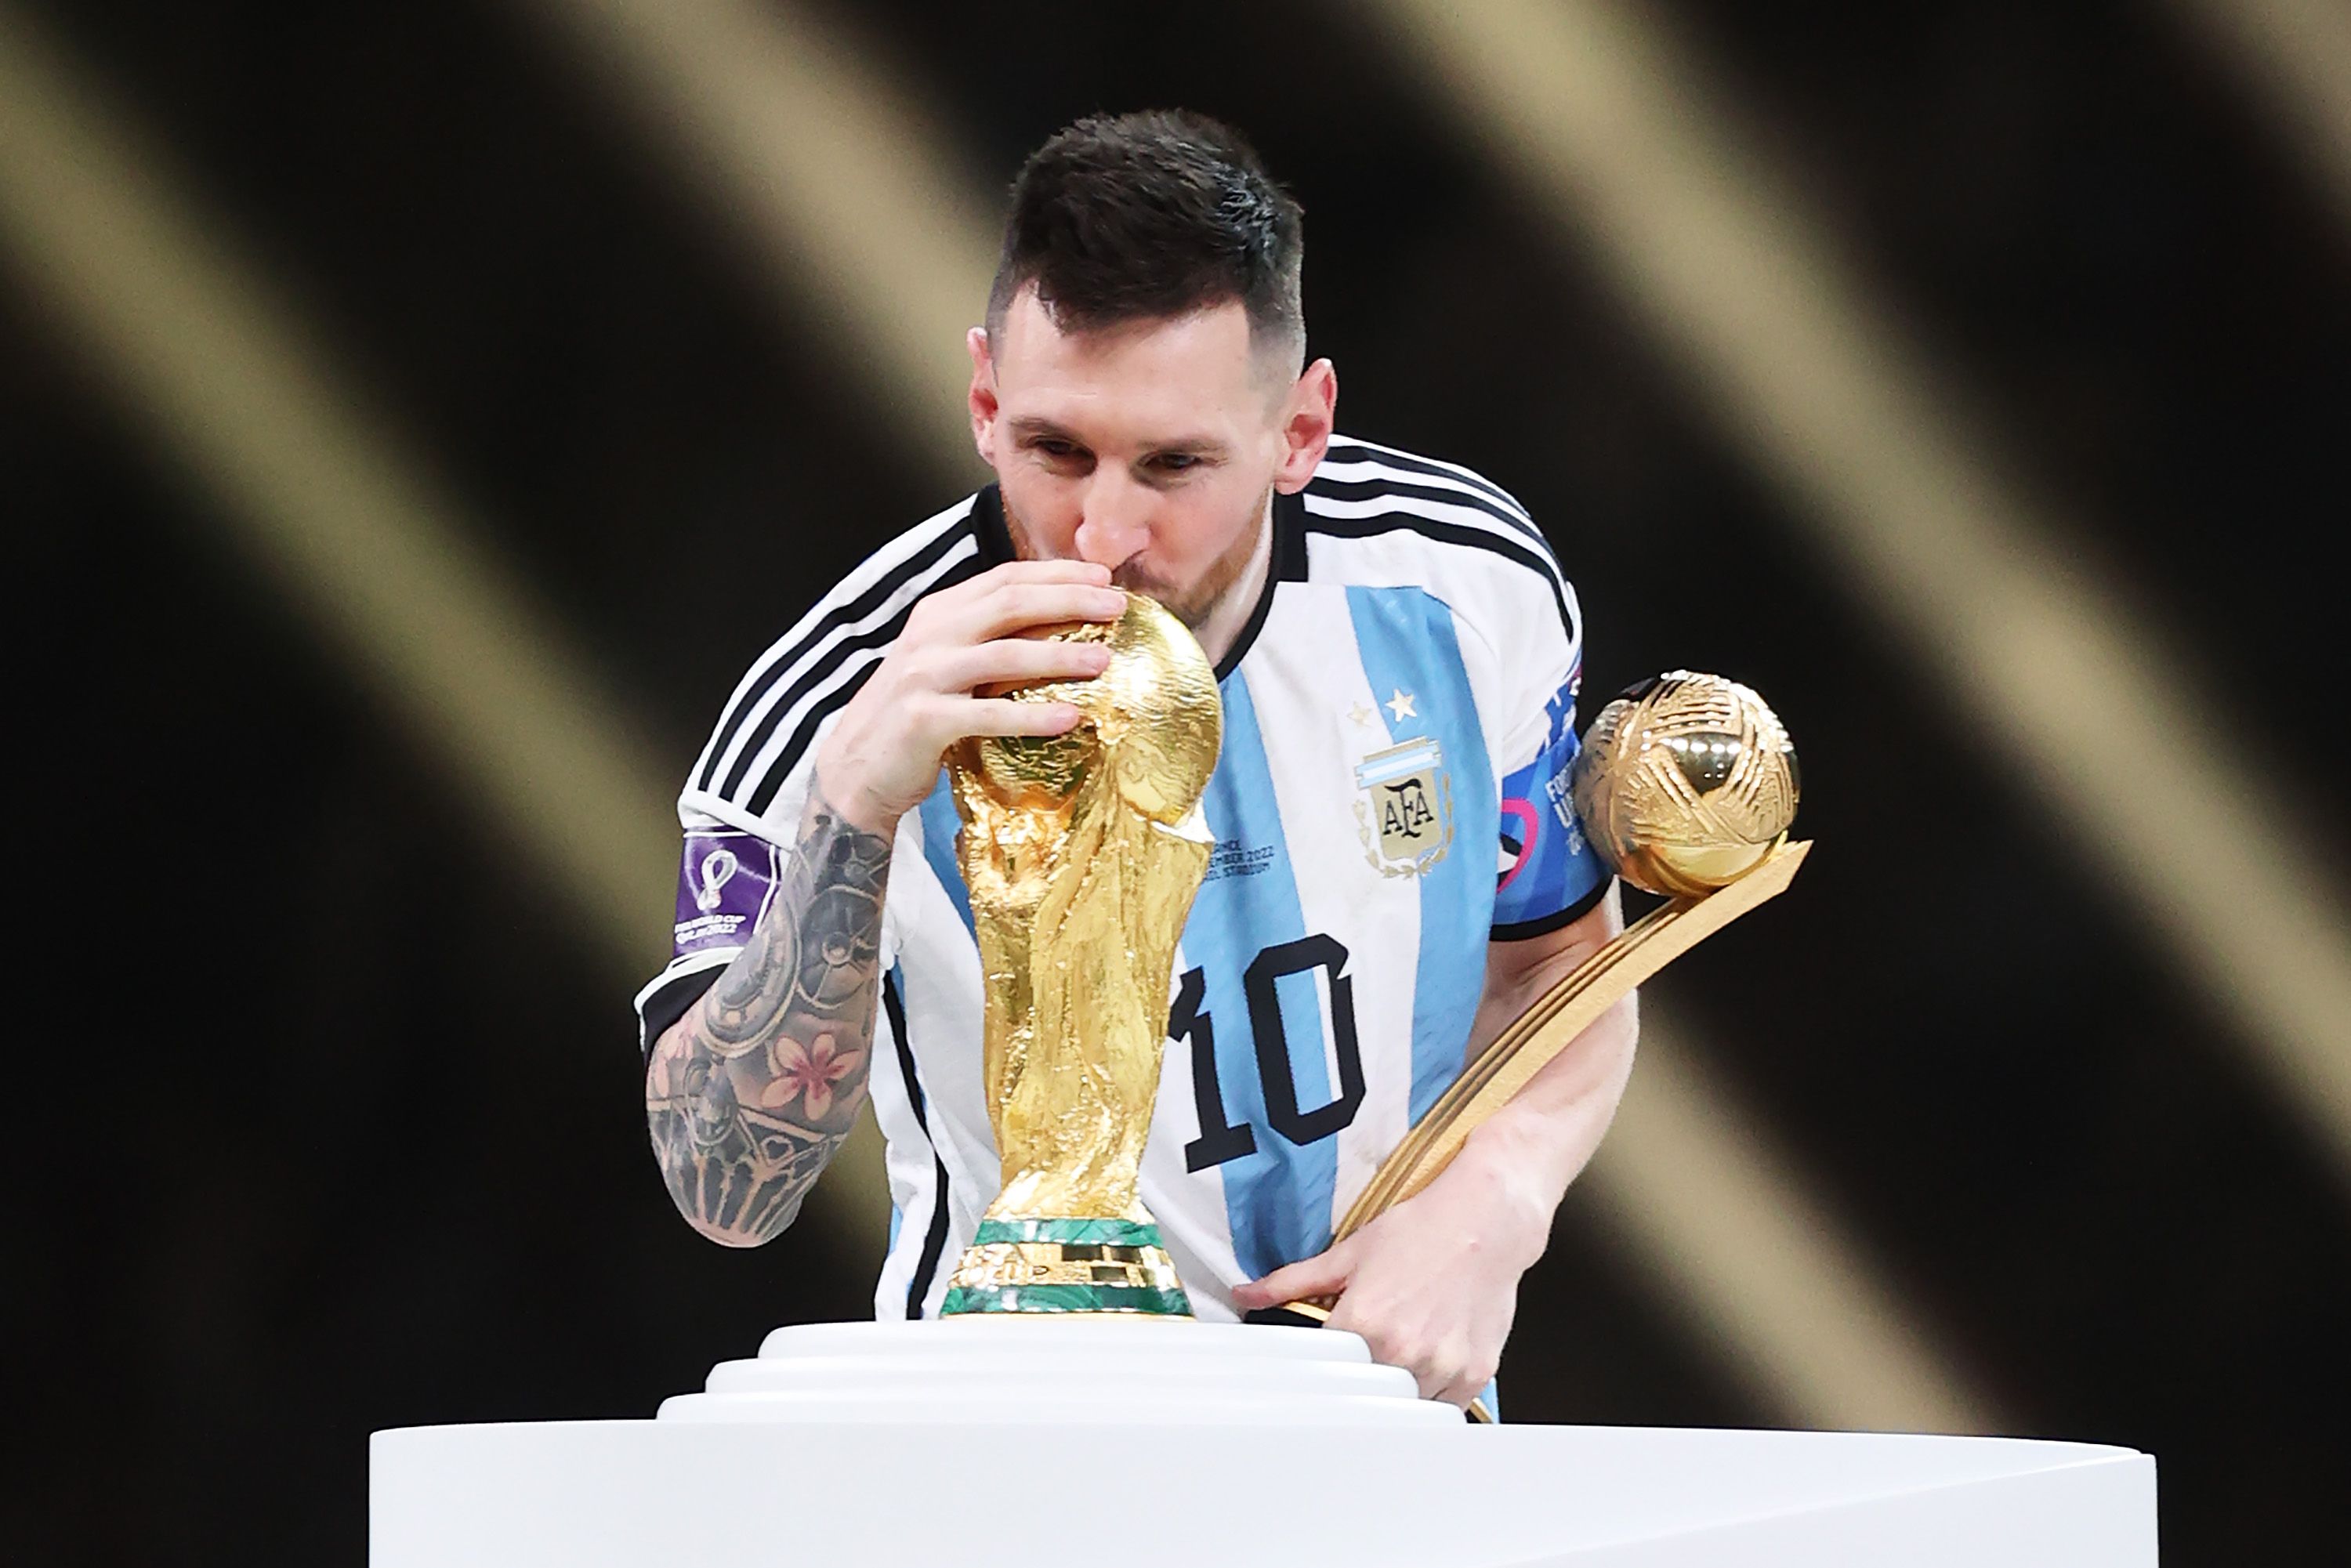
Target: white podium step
[[1150, 1445], [1032, 1371]]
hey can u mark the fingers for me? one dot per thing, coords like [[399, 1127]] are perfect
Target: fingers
[[1021, 660], [1326, 1274], [1452, 1363], [1020, 606], [1454, 1376], [1002, 716], [1046, 572], [1016, 596], [882, 753], [1446, 1366]]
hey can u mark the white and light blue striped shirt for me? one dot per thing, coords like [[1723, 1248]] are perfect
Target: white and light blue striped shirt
[[1399, 717]]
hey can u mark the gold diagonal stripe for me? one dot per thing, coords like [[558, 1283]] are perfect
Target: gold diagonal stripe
[[1760, 1268], [1619, 139], [384, 564], [871, 231], [2294, 56]]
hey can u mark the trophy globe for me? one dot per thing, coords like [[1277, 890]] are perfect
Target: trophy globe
[[1686, 783]]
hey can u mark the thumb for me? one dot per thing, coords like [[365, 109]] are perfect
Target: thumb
[[1325, 1274]]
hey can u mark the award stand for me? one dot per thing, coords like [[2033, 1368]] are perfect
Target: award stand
[[1071, 1411], [982, 1440]]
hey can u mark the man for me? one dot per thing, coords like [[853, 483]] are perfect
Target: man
[[1398, 656]]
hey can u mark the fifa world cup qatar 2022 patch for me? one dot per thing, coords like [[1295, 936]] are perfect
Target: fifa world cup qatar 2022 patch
[[723, 887]]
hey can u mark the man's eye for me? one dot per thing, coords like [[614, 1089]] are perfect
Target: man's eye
[[1062, 450], [1175, 462]]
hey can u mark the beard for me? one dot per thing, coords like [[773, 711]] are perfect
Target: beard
[[1190, 603]]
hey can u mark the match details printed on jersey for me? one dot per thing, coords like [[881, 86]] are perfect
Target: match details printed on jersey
[[722, 886], [1544, 866]]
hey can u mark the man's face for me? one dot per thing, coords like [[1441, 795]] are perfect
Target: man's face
[[1150, 448]]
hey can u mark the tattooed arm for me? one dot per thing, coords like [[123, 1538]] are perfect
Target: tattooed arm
[[751, 1092]]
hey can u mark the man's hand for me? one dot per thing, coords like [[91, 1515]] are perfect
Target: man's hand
[[883, 756], [1433, 1285]]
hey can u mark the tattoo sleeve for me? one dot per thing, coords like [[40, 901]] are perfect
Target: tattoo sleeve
[[752, 1091]]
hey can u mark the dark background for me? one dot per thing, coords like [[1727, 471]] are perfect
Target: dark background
[[328, 1112]]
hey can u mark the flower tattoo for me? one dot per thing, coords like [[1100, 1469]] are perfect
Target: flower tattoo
[[808, 1074]]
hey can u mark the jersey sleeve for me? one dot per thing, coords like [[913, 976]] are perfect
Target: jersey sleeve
[[741, 809], [1547, 873], [727, 876], [729, 866]]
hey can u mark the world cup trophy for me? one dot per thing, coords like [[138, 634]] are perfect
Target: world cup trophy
[[1081, 853]]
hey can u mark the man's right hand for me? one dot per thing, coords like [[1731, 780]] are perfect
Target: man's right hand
[[883, 756]]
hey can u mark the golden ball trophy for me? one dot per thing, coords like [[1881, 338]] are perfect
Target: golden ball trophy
[[1081, 853], [1685, 786]]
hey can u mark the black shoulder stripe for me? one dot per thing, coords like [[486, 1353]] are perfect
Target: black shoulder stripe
[[1370, 454], [1540, 564], [1378, 489], [892, 581], [816, 672], [935, 1240], [772, 782], [1544, 925]]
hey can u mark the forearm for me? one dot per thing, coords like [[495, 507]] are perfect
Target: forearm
[[1535, 1146], [749, 1095], [1539, 1142]]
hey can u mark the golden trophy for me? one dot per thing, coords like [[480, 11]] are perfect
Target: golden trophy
[[1081, 853], [1685, 786]]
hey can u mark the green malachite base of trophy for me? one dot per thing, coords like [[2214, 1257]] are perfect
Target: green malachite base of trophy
[[1066, 1266]]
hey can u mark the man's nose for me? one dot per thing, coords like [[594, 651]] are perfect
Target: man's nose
[[1115, 526]]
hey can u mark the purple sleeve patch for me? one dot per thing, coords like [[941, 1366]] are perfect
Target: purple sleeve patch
[[723, 887]]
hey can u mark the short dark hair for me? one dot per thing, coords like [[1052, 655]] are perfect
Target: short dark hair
[[1143, 216]]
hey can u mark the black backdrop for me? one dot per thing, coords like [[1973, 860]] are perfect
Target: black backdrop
[[329, 1115]]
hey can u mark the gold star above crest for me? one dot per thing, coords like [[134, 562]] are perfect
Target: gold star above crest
[[1360, 713], [1401, 705]]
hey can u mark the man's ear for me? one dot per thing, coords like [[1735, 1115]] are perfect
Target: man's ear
[[983, 394], [1306, 426]]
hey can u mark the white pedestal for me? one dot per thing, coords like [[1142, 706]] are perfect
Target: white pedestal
[[1148, 1444]]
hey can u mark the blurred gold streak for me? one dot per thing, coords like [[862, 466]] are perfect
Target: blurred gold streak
[[714, 76], [1624, 145], [846, 192], [1765, 1277], [355, 532], [2295, 55]]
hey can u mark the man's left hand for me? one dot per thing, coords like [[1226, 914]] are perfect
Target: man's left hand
[[1432, 1284]]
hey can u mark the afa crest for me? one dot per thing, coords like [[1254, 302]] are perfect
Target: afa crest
[[1404, 807]]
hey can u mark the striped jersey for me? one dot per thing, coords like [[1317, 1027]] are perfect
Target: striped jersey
[[1392, 796]]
